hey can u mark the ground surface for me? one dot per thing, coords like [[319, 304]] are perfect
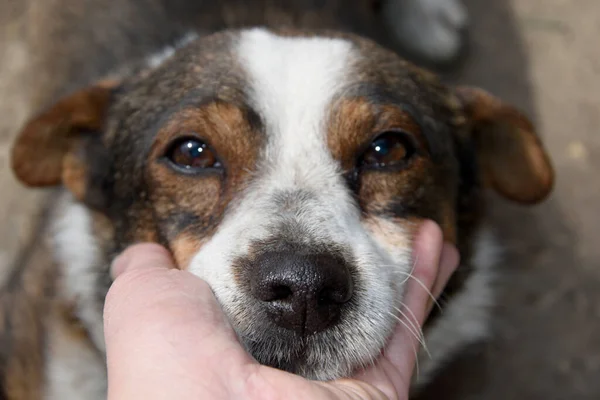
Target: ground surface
[[543, 55]]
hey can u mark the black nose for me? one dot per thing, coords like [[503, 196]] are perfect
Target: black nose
[[303, 293]]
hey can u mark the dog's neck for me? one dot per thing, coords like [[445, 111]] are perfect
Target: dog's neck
[[82, 264]]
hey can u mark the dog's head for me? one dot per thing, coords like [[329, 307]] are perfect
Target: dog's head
[[289, 171]]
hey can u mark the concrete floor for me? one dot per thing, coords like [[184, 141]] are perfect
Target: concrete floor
[[544, 56]]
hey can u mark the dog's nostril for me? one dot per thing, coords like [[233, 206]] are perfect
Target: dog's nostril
[[280, 292], [303, 293], [339, 295]]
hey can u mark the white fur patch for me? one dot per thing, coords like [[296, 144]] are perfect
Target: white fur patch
[[79, 256], [74, 371]]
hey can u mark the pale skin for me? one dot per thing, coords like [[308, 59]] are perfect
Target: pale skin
[[167, 338]]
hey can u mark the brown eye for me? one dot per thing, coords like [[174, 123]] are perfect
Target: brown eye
[[389, 149], [192, 154]]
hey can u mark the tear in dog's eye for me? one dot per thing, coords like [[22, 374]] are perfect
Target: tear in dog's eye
[[192, 154], [389, 149]]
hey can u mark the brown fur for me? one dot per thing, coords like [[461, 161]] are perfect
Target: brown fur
[[175, 195], [513, 159], [357, 121]]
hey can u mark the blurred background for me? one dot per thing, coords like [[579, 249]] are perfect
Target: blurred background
[[541, 55]]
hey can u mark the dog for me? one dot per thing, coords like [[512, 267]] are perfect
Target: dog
[[289, 168]]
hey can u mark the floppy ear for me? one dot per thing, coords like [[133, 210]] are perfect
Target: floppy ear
[[511, 155], [45, 151]]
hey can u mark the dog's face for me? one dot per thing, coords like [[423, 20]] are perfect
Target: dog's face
[[288, 171]]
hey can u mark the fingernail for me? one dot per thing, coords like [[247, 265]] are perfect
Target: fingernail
[[119, 264], [450, 257]]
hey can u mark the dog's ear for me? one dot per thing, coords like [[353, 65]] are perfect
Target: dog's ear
[[511, 155], [47, 150]]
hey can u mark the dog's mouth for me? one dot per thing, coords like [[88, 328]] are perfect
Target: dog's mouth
[[284, 351], [336, 352], [318, 356]]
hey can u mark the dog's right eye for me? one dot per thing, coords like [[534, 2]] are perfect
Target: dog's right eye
[[390, 149], [192, 154]]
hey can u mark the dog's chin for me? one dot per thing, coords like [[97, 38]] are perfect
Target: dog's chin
[[313, 357], [332, 354]]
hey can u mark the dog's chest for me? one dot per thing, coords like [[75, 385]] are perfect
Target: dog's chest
[[74, 370]]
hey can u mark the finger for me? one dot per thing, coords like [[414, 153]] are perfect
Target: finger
[[146, 255], [449, 261], [428, 252], [163, 325], [395, 369], [435, 263], [269, 383]]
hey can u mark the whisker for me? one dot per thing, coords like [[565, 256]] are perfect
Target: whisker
[[435, 301], [412, 314], [416, 330], [411, 276], [409, 329], [415, 323], [412, 269], [413, 326], [415, 350]]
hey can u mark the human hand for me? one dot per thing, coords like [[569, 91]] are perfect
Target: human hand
[[167, 337]]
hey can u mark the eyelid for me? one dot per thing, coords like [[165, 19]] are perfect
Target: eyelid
[[367, 145], [405, 117]]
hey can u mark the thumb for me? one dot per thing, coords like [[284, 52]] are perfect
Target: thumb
[[163, 325]]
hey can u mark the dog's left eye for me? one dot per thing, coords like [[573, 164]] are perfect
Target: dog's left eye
[[389, 149], [192, 154]]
